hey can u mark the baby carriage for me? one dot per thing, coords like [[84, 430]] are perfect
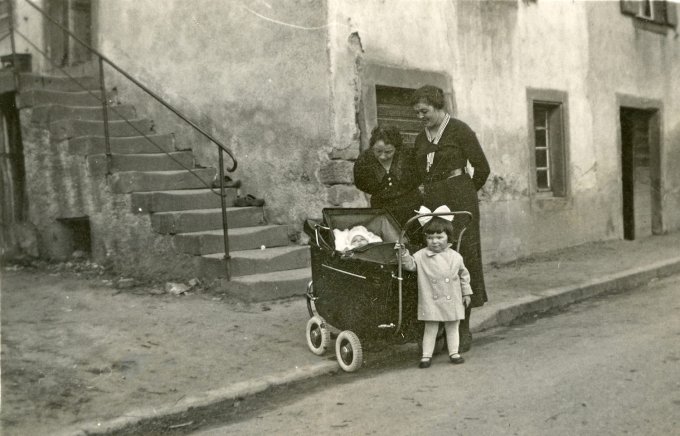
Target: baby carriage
[[362, 292]]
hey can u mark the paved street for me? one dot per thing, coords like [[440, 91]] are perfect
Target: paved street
[[607, 366]]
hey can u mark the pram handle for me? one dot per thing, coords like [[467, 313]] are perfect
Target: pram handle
[[454, 214]]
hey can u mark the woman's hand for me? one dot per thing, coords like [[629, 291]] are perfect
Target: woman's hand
[[466, 300]]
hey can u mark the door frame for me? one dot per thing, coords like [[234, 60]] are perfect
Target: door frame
[[654, 108]]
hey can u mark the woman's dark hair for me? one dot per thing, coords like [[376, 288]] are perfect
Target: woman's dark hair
[[438, 225], [389, 135], [428, 94]]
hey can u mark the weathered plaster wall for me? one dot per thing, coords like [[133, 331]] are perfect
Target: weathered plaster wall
[[494, 51], [253, 74], [29, 22], [644, 66]]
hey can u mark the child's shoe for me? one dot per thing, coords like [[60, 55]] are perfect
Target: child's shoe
[[456, 359], [425, 362]]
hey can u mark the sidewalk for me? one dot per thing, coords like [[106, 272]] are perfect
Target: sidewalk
[[79, 357]]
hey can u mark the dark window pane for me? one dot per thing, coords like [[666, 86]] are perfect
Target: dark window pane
[[542, 158], [540, 138], [540, 115], [542, 179]]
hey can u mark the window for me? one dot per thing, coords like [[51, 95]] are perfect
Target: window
[[654, 15], [548, 142], [385, 99], [394, 109]]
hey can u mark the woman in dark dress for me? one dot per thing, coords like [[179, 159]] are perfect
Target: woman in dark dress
[[442, 152], [387, 172]]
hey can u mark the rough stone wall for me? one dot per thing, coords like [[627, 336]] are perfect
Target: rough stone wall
[[60, 186]]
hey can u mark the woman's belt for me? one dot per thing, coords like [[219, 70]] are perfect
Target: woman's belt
[[453, 173]]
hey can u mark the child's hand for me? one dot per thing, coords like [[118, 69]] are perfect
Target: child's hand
[[404, 251], [467, 300]]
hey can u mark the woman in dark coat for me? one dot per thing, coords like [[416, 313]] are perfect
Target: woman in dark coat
[[442, 152], [387, 172]]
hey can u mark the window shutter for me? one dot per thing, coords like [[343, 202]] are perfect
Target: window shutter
[[659, 8], [395, 110], [557, 155], [671, 14], [630, 7]]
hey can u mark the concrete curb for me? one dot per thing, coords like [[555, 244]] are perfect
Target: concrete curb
[[235, 392], [504, 313], [486, 318]]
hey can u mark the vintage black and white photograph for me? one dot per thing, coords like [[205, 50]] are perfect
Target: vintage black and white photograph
[[339, 217]]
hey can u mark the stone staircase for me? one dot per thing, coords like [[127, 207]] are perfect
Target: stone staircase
[[177, 201]]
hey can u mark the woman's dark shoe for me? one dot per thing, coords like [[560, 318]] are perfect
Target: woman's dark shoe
[[456, 359], [425, 363]]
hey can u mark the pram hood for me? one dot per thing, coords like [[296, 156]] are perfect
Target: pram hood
[[378, 221]]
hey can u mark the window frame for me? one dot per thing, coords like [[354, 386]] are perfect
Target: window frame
[[374, 75], [662, 14], [556, 107]]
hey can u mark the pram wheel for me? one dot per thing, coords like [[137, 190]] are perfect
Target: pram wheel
[[318, 336], [348, 351]]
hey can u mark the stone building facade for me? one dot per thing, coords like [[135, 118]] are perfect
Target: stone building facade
[[574, 102]]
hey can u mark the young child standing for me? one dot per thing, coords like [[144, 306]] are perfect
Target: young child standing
[[443, 286]]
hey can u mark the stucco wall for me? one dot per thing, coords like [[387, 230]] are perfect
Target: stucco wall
[[493, 52], [639, 65], [253, 74], [30, 23]]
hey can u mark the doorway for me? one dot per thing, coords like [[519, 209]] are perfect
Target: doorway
[[13, 205], [76, 16], [640, 172]]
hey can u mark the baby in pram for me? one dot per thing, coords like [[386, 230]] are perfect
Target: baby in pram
[[357, 236]]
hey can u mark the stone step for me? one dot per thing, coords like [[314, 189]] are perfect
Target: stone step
[[65, 129], [187, 221], [87, 145], [244, 238], [176, 200], [125, 182], [55, 112], [179, 160], [268, 286], [248, 262], [34, 81], [40, 97]]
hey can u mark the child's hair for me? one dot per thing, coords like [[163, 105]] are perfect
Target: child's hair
[[438, 225]]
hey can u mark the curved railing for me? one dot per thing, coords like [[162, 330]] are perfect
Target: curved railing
[[221, 148]]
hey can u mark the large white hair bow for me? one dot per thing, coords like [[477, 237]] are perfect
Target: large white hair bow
[[426, 219]]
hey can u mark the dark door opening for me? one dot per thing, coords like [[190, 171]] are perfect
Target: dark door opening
[[76, 16], [13, 204], [640, 172]]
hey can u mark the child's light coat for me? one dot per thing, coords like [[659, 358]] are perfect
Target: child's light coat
[[443, 280]]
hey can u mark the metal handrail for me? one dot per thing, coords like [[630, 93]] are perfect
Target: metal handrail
[[104, 100], [112, 108], [140, 85]]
